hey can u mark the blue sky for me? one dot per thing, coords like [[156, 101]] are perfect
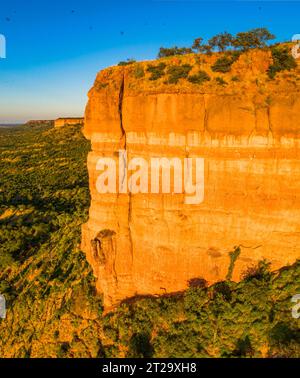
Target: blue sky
[[55, 48]]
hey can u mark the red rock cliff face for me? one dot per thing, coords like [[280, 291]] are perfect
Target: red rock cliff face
[[248, 133]]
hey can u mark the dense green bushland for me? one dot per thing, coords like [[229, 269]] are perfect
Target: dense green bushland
[[53, 309], [249, 319], [42, 186], [44, 198]]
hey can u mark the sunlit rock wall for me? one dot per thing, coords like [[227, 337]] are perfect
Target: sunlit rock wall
[[248, 133]]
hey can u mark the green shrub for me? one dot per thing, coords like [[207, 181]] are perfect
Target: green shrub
[[111, 333], [243, 348], [283, 334], [56, 334], [63, 350], [259, 272], [224, 63], [140, 346], [178, 72], [222, 288], [126, 62], [165, 52], [235, 78], [199, 78], [197, 283], [101, 85], [139, 72], [221, 81], [157, 71]]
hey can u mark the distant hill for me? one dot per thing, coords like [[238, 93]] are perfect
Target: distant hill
[[40, 122]]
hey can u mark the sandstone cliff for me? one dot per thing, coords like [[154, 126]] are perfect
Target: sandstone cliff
[[247, 131], [61, 122]]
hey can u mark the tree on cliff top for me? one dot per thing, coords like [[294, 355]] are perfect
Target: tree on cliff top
[[255, 38], [126, 62], [200, 47], [221, 41]]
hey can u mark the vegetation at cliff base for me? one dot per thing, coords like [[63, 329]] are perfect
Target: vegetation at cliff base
[[53, 308], [44, 276], [249, 319]]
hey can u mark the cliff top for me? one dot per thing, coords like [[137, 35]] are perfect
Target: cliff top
[[230, 72]]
